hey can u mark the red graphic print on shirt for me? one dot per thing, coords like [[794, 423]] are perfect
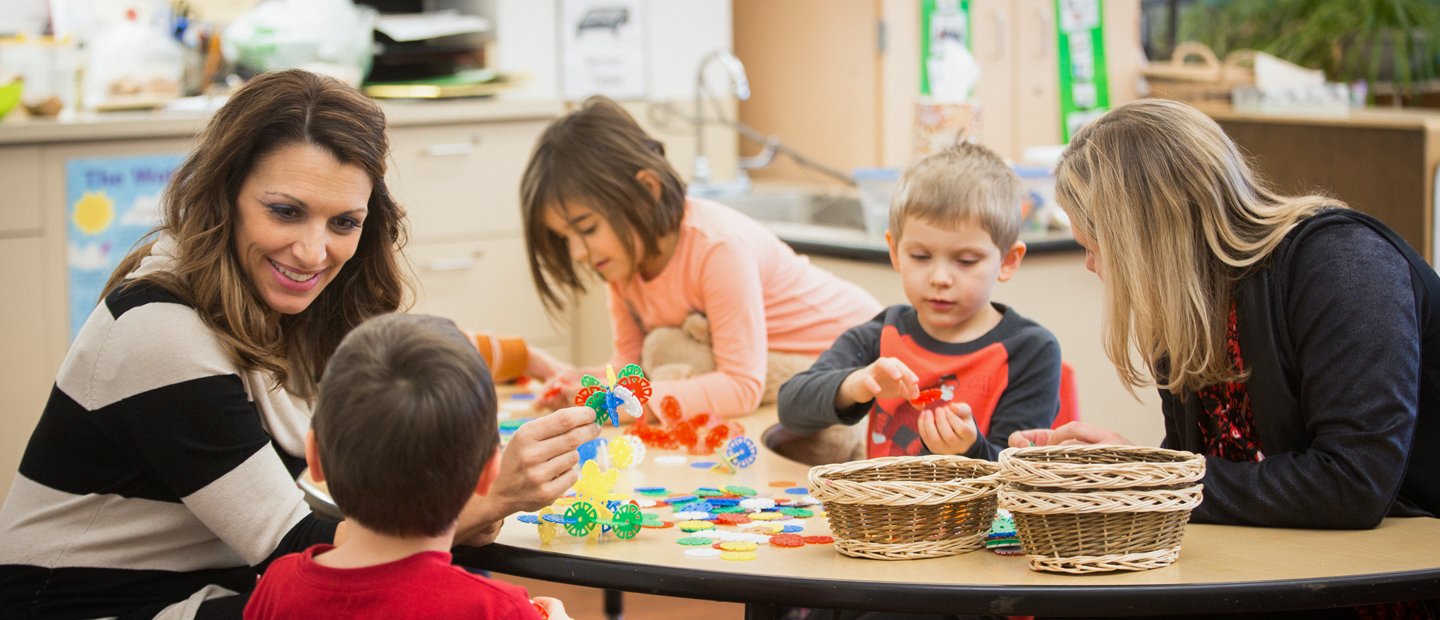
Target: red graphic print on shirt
[[979, 379]]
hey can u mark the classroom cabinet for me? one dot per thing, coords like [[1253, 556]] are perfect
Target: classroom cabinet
[[461, 180], [26, 371], [1015, 44], [843, 89], [485, 285]]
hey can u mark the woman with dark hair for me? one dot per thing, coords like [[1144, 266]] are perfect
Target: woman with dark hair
[[160, 478]]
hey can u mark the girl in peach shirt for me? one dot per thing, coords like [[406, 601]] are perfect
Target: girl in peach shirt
[[598, 192]]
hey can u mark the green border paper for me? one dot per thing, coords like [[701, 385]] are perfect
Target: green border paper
[[1084, 80], [927, 11]]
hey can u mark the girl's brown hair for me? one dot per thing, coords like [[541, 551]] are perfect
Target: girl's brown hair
[[272, 111], [1176, 217], [592, 156]]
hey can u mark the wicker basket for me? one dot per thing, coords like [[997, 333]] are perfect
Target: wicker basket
[[1208, 81], [1087, 509], [908, 507]]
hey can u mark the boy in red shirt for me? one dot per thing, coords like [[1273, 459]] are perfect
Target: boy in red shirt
[[404, 434], [952, 372]]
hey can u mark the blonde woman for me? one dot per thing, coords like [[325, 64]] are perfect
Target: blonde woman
[[160, 480], [1295, 342]]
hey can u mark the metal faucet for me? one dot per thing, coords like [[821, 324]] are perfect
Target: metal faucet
[[741, 84]]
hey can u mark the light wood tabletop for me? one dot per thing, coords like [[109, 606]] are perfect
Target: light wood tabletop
[[1220, 568]]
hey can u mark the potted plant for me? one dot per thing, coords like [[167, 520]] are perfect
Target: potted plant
[[1395, 41]]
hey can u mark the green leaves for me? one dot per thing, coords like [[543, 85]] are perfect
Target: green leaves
[[1378, 40]]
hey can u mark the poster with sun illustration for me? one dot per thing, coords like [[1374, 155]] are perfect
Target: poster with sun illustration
[[111, 203]]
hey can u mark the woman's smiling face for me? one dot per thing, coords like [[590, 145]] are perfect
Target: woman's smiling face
[[299, 219]]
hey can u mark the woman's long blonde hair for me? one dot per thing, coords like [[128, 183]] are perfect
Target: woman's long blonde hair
[[272, 111], [1175, 217]]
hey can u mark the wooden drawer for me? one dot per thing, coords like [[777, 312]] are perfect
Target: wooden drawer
[[482, 286], [21, 206], [461, 180], [29, 363]]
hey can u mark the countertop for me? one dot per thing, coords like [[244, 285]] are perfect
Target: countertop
[[852, 244], [131, 125]]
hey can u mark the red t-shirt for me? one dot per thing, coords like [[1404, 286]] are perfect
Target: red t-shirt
[[424, 585]]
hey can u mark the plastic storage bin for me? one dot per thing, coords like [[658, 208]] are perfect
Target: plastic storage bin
[[876, 185]]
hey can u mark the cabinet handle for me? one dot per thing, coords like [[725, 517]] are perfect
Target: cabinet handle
[[452, 149], [1042, 19], [456, 263], [1002, 30]]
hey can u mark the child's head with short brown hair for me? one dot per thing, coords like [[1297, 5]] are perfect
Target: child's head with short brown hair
[[405, 425], [954, 234], [966, 182]]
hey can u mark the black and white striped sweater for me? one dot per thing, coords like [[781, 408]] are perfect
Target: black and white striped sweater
[[157, 468]]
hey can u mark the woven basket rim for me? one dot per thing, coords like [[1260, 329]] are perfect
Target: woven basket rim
[[886, 461], [1038, 466], [879, 493], [1177, 457]]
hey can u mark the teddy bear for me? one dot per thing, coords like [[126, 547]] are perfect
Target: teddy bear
[[672, 353]]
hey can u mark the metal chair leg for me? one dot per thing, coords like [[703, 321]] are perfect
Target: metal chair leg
[[614, 605]]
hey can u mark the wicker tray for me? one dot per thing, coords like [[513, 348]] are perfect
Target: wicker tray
[[1086, 509], [908, 507], [1209, 80]]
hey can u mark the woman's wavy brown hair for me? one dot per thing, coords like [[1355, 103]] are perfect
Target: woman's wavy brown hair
[[272, 111], [1176, 217]]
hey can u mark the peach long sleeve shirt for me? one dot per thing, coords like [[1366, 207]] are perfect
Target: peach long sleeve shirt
[[758, 295]]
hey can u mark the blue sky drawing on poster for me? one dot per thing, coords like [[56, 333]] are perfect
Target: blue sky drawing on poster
[[111, 203]]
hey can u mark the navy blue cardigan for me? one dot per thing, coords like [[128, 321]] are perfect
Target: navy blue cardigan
[[1341, 332]]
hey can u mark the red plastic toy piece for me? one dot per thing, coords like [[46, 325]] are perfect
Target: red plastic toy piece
[[787, 540]]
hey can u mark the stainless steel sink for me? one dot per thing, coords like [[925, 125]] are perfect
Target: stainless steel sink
[[820, 207]]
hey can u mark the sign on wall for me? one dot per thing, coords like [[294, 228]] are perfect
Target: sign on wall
[[1084, 80], [947, 66], [602, 49], [111, 204]]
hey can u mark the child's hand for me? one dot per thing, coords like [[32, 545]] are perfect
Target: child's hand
[[559, 390], [886, 377], [948, 429], [541, 365], [1071, 434], [554, 609]]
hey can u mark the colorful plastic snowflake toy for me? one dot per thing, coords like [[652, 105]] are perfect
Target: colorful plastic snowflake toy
[[738, 453], [627, 392], [934, 396]]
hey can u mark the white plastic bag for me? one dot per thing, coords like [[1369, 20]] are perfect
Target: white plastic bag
[[333, 37], [131, 65]]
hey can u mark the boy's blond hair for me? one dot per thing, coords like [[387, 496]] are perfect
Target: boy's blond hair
[[964, 183]]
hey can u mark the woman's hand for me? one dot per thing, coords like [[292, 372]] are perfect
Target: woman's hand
[[539, 463], [1071, 434], [886, 377], [536, 468], [554, 609], [948, 429]]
